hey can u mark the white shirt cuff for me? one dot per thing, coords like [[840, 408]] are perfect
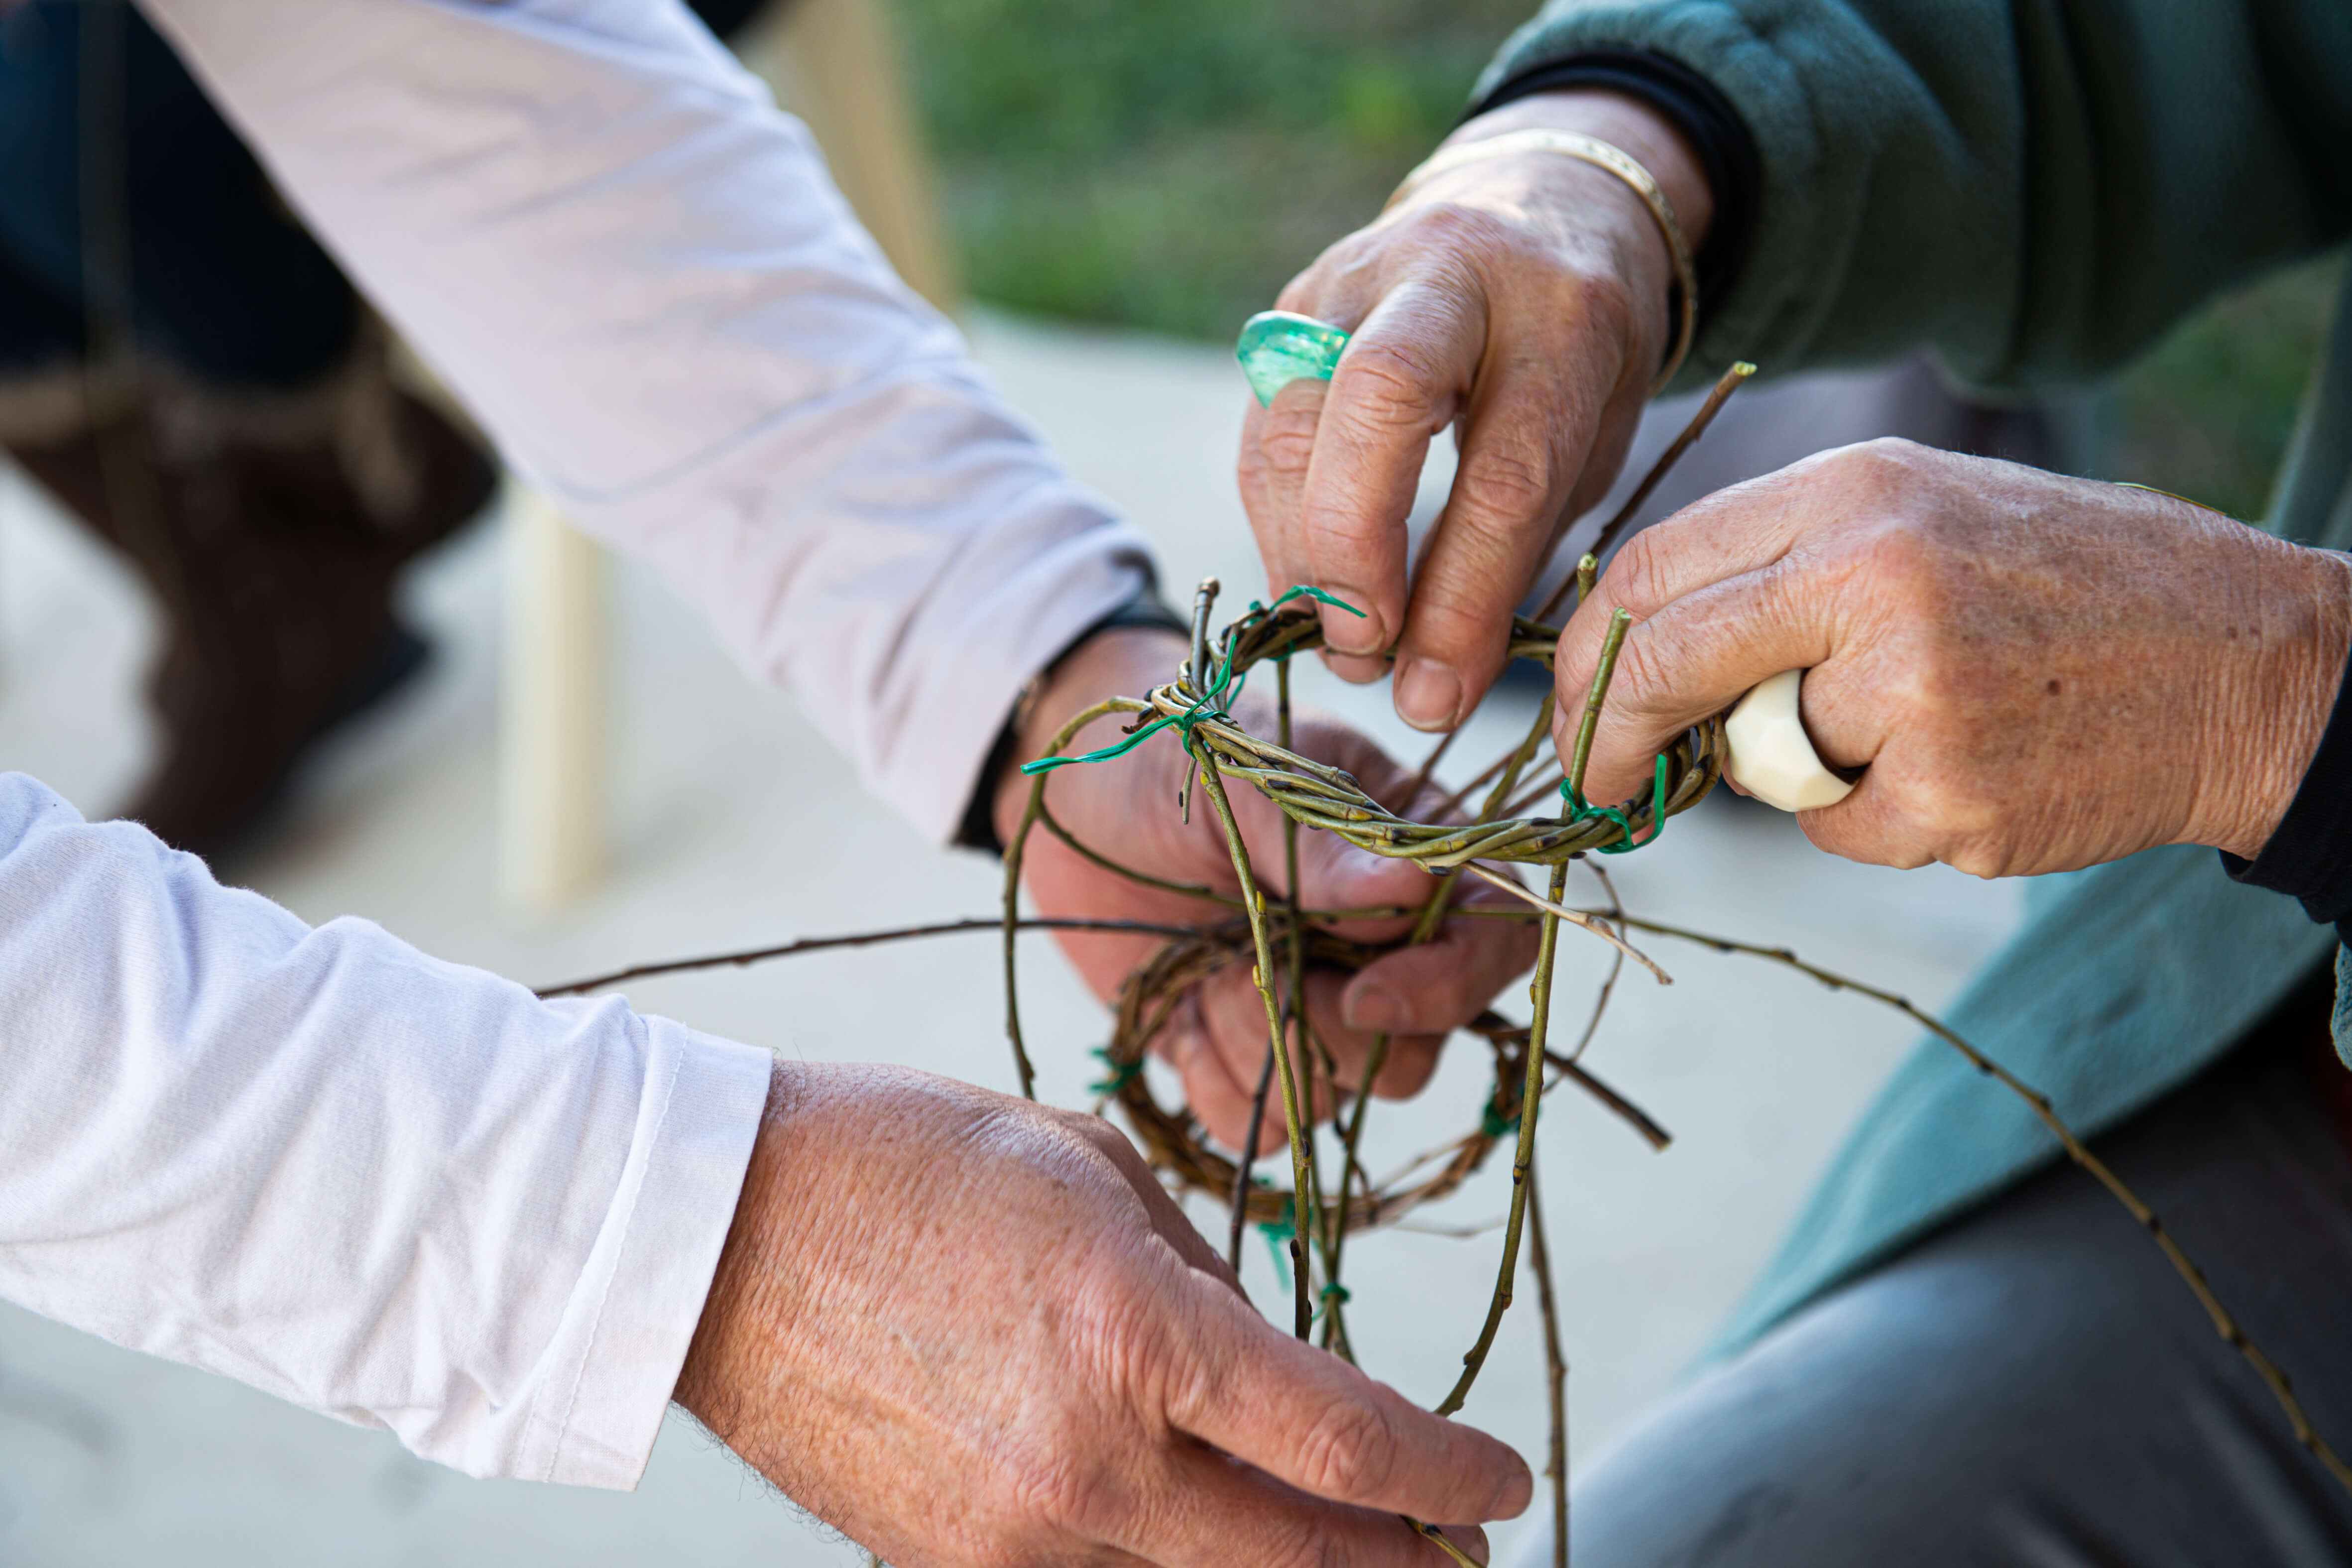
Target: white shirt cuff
[[629, 1324]]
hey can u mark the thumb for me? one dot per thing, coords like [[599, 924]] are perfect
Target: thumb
[[1306, 1417]]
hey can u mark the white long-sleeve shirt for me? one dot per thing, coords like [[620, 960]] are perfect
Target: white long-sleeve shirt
[[637, 274], [400, 1191]]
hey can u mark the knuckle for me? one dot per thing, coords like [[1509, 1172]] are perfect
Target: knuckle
[[1300, 1544], [1285, 440], [1908, 567], [1458, 229], [1608, 305], [1052, 1485], [1984, 861], [1963, 832], [1637, 686], [1878, 471], [1350, 1453], [1304, 293], [1107, 1140], [1392, 382], [1637, 572], [1512, 486]]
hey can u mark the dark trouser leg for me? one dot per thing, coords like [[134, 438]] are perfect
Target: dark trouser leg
[[275, 578], [2036, 1386], [190, 375]]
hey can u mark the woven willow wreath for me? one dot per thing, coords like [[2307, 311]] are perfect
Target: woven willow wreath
[[1251, 929]]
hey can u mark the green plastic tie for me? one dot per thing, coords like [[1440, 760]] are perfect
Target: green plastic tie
[[1582, 810], [1121, 1073], [1278, 347], [1210, 704], [1495, 1125]]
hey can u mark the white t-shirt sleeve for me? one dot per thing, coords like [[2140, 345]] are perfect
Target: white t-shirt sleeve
[[401, 1192], [638, 273]]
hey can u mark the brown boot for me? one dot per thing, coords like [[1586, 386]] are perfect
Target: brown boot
[[272, 531]]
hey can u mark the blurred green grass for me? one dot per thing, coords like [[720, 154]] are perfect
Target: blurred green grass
[[1169, 165], [2208, 412]]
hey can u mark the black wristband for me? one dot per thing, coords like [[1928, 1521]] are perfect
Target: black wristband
[[1727, 152], [2309, 857], [1145, 611]]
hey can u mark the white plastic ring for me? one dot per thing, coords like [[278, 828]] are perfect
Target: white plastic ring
[[1772, 758]]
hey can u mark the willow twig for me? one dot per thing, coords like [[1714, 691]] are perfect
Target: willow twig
[[1616, 966], [1583, 919], [1612, 643], [1014, 852], [1523, 1161], [1428, 767], [1430, 1533], [2224, 1324], [1335, 1329], [1453, 801], [1730, 382], [1632, 1115], [1249, 1160], [861, 939], [1352, 1136], [1302, 1184], [1201, 890], [1546, 785], [1555, 1371]]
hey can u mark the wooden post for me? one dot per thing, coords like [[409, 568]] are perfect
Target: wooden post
[[552, 734], [835, 64]]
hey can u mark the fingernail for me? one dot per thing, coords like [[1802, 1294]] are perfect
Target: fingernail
[[1344, 633], [1374, 1008], [1427, 693]]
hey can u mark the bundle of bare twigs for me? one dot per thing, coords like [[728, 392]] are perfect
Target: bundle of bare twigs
[[1282, 942]]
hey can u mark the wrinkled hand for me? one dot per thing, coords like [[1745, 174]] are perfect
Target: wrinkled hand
[[1520, 300], [2039, 673], [1126, 809], [967, 1330]]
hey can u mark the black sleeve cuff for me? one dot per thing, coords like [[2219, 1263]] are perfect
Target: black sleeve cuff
[[1146, 611], [1707, 121], [2310, 856]]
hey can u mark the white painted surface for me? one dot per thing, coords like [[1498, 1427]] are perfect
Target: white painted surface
[[732, 825], [555, 727]]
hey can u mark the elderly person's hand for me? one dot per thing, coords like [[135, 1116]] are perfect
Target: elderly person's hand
[[967, 1330], [1520, 300], [2037, 673], [1127, 809]]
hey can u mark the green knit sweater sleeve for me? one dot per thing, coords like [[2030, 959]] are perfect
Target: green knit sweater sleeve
[[2035, 188]]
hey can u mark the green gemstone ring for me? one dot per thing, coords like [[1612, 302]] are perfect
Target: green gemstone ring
[[1278, 347]]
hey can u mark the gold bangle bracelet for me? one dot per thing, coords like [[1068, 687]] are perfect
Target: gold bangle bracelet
[[1601, 154]]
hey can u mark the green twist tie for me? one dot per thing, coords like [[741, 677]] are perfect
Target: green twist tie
[[1495, 1125], [1278, 347], [1210, 704], [1582, 810], [1121, 1073]]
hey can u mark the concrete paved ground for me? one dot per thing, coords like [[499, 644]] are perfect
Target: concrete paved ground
[[109, 1458]]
